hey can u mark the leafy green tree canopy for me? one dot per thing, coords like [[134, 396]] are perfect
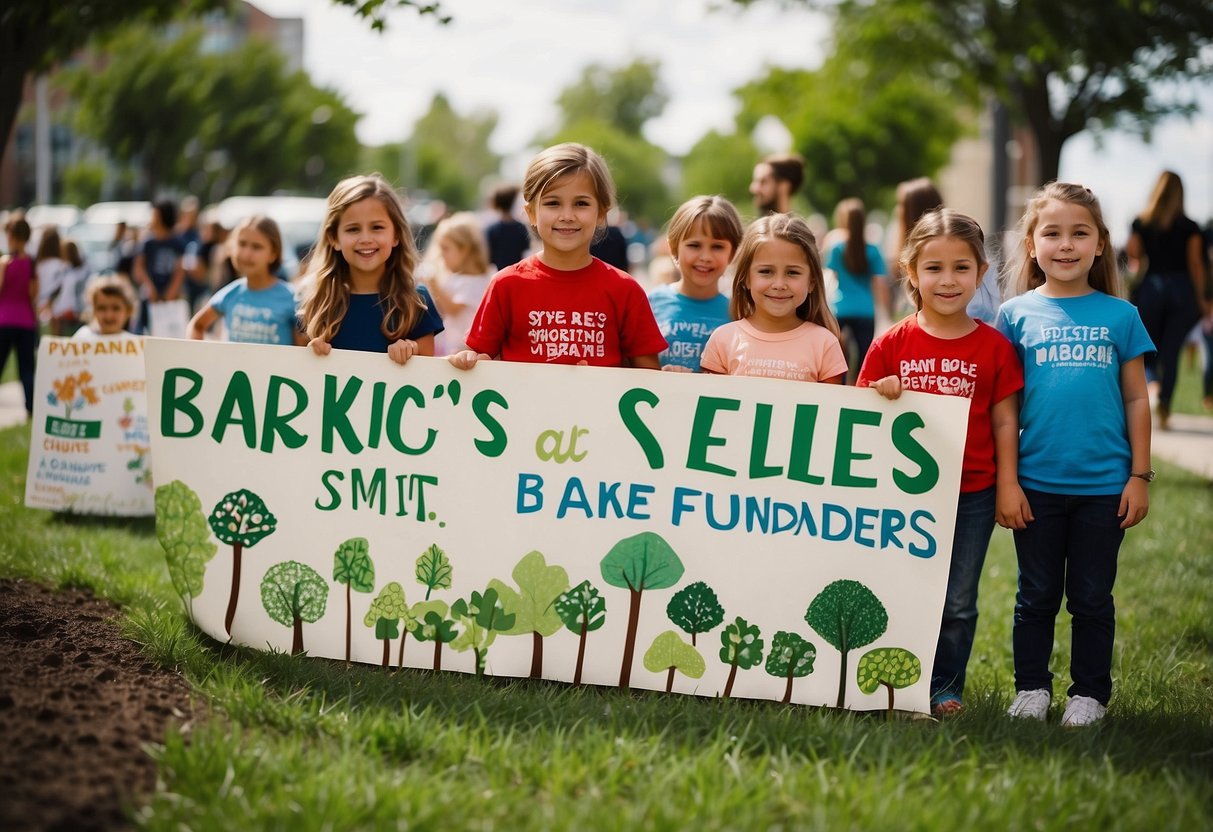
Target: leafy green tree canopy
[[695, 609], [582, 607], [185, 536], [1058, 67], [433, 570], [894, 667], [293, 590], [790, 655], [642, 561], [625, 97], [533, 604], [387, 610], [668, 650], [741, 644], [241, 518], [352, 565]]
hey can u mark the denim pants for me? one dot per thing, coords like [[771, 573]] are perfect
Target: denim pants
[[1169, 309], [25, 343], [974, 525], [1071, 547]]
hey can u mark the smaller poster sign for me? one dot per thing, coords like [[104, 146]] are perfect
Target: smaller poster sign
[[89, 449]]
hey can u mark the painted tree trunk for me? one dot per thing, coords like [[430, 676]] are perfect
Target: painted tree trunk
[[787, 693], [536, 656], [842, 674], [438, 654], [580, 652], [297, 641], [629, 646], [479, 655], [403, 636], [387, 651], [237, 550], [669, 680], [347, 622], [728, 686], [890, 689]]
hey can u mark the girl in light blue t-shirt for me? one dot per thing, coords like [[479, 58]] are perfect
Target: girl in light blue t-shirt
[[703, 235], [1084, 449]]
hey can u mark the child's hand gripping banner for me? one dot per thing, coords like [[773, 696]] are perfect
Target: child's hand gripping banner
[[699, 534], [89, 443]]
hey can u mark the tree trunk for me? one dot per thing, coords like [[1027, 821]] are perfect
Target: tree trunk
[[580, 653], [728, 686], [669, 680], [347, 622], [20, 45], [890, 689], [477, 652], [387, 651], [536, 655], [237, 550], [842, 673], [297, 642], [403, 636], [629, 646], [787, 693], [438, 654]]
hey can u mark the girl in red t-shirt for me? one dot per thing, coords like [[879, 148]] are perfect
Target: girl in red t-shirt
[[940, 349]]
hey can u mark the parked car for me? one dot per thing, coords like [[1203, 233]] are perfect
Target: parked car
[[299, 219], [94, 233]]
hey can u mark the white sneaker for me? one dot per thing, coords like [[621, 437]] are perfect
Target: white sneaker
[[1031, 704], [1082, 710]]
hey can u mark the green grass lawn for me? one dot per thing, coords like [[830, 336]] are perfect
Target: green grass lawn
[[310, 744]]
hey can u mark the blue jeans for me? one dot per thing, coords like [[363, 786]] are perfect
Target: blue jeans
[[1169, 309], [1071, 547], [974, 525]]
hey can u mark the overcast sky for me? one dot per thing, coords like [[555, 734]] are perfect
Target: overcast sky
[[515, 57]]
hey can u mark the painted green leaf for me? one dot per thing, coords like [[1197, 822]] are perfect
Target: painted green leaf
[[642, 561], [669, 650], [434, 570], [352, 565], [388, 628], [741, 644], [389, 603], [185, 536], [696, 609], [893, 666], [434, 626], [241, 517], [292, 590], [582, 605], [790, 655], [533, 603], [847, 615]]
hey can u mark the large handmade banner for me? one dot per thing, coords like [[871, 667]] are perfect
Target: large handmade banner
[[89, 443], [700, 534]]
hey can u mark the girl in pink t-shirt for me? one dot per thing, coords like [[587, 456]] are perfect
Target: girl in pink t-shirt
[[784, 327]]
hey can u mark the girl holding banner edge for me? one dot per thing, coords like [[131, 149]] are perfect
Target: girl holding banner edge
[[941, 349], [361, 293], [563, 305], [784, 327], [1084, 349]]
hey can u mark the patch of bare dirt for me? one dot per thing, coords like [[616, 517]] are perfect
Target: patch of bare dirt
[[78, 704]]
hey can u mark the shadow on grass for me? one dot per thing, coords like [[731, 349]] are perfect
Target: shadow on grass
[[141, 526], [554, 712]]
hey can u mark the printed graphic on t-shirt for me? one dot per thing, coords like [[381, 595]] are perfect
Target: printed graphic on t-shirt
[[950, 376], [686, 339], [557, 333], [251, 324], [1075, 346]]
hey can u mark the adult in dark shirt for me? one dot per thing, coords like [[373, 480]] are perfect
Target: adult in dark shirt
[[612, 248], [508, 238], [1165, 253]]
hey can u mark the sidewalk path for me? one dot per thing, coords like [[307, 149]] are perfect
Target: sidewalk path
[[1189, 442]]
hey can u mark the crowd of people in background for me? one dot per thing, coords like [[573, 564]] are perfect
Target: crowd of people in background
[[550, 276]]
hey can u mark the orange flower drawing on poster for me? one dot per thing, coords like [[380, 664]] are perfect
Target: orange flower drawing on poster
[[73, 392]]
